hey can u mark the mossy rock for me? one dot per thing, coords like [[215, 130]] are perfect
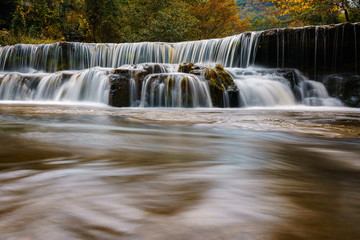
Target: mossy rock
[[221, 81], [152, 68], [170, 82], [186, 67]]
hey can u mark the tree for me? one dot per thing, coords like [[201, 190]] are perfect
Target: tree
[[262, 15], [311, 11], [7, 9], [37, 18], [218, 18], [102, 17], [74, 25], [122, 20], [163, 20]]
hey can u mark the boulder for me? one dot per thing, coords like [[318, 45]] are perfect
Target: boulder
[[345, 87], [223, 90]]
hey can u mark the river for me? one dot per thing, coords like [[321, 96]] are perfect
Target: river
[[97, 172]]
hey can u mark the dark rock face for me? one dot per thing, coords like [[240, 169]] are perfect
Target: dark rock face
[[120, 78], [316, 51], [119, 95], [329, 54], [345, 87], [119, 89]]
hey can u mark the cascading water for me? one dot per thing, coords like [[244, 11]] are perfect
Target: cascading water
[[134, 87], [239, 50], [315, 94], [236, 50], [175, 90], [256, 89], [31, 57], [47, 71], [91, 85]]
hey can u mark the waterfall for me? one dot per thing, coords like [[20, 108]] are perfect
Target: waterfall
[[299, 48], [257, 89], [238, 50], [149, 74], [356, 49], [175, 90], [29, 57], [316, 49], [91, 85], [315, 94], [134, 87]]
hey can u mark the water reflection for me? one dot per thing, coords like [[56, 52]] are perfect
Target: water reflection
[[322, 182], [104, 176]]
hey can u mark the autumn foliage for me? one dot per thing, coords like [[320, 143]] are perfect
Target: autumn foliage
[[329, 11], [218, 18], [30, 21], [122, 20]]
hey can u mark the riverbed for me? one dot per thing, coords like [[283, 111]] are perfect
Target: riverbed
[[96, 172]]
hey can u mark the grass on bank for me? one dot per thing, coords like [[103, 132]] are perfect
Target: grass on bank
[[6, 38]]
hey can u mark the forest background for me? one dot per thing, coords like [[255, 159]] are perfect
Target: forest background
[[44, 21]]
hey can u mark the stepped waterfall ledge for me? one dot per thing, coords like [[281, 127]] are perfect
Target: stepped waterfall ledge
[[310, 65]]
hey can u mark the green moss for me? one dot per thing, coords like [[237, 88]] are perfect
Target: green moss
[[184, 83], [170, 83], [62, 66], [186, 93], [214, 78], [219, 67], [186, 67], [220, 81], [139, 76]]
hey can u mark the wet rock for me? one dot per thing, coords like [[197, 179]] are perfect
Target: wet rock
[[148, 68], [119, 95], [223, 90], [120, 82], [119, 91], [222, 83], [316, 51], [186, 67], [345, 87]]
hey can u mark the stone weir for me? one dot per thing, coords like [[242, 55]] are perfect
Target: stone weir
[[316, 51], [328, 54]]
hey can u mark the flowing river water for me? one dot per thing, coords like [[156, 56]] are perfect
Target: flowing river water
[[97, 172], [270, 168]]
